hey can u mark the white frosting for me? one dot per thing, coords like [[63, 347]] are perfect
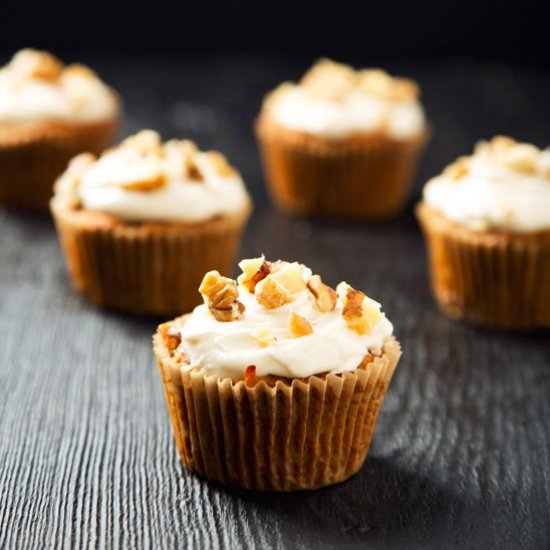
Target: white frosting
[[75, 94], [495, 194], [355, 112], [227, 348], [180, 198]]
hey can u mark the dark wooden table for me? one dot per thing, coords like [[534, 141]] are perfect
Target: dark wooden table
[[461, 455]]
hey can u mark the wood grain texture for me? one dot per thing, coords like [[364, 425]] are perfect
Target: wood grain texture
[[461, 454]]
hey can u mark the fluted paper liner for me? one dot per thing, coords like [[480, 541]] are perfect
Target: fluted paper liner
[[280, 434], [31, 159], [362, 176], [494, 278], [144, 268]]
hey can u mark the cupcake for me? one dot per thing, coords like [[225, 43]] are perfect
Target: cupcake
[[141, 224], [48, 114], [275, 382], [342, 143], [486, 220]]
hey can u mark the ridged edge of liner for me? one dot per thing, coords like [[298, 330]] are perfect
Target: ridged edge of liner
[[362, 176], [497, 279], [32, 159], [148, 268]]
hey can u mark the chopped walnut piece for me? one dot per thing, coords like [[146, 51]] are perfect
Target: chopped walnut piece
[[79, 70], [360, 312], [250, 375], [254, 270], [380, 84], [329, 80], [221, 296], [221, 165], [289, 275], [325, 297], [271, 294], [522, 158], [264, 336], [145, 142], [29, 63], [189, 150], [458, 169], [145, 185], [299, 326], [502, 143], [170, 336]]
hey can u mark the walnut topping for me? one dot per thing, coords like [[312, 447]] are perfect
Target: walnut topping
[[254, 270], [329, 80], [170, 336], [325, 297], [380, 84], [250, 375], [221, 296], [333, 81], [77, 69], [502, 143], [272, 294], [289, 275], [145, 185], [221, 165], [264, 336], [360, 312], [145, 142], [29, 63], [521, 157], [299, 326], [458, 169], [189, 150]]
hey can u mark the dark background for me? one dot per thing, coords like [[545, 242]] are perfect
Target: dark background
[[516, 31], [461, 453]]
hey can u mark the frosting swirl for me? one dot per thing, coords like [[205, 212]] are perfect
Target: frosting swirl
[[281, 321], [145, 180], [503, 185], [335, 101], [36, 86]]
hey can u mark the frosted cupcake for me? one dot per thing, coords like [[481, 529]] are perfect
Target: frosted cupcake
[[48, 114], [487, 224], [141, 224], [342, 143], [276, 381]]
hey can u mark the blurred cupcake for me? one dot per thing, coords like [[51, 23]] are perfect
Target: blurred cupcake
[[342, 143], [48, 114], [275, 383], [140, 225], [487, 224]]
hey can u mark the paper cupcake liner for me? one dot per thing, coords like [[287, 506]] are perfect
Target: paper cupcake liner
[[367, 177], [31, 160], [148, 268], [497, 279], [280, 435]]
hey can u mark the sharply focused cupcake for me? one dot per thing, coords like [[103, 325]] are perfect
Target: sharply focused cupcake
[[48, 114], [487, 224], [141, 224], [275, 383], [342, 143]]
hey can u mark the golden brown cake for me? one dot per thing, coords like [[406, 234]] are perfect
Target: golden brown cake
[[48, 114], [140, 225], [342, 143], [275, 383], [486, 220]]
